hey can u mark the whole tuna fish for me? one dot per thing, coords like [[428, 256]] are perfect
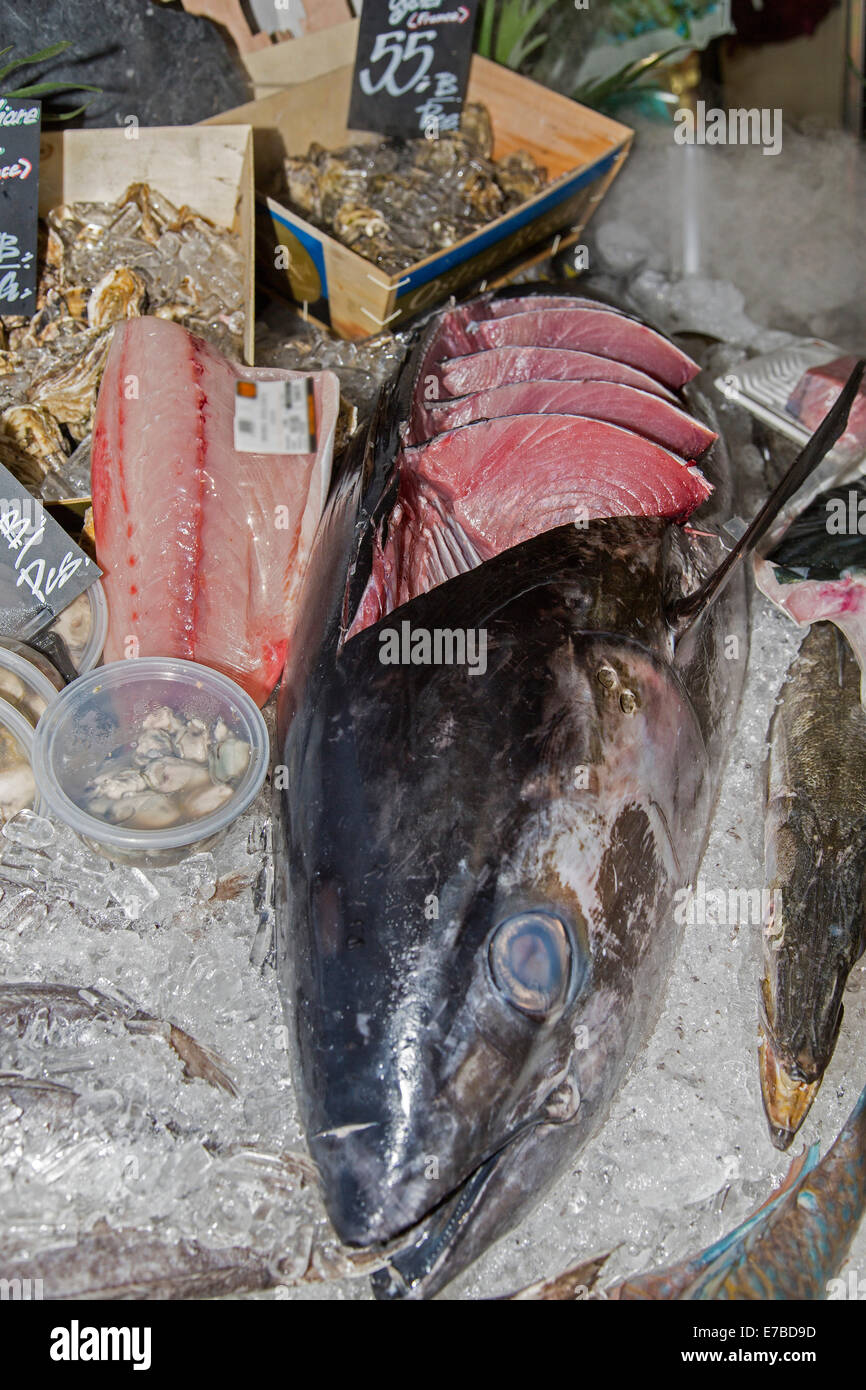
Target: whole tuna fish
[[815, 855], [791, 1248], [474, 906]]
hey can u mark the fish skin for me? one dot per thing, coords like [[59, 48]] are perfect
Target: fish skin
[[20, 1001], [815, 858], [123, 1264], [790, 1248], [401, 1043]]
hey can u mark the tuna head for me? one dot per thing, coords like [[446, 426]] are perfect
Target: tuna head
[[480, 870]]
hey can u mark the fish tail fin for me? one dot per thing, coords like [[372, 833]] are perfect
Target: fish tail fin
[[684, 611]]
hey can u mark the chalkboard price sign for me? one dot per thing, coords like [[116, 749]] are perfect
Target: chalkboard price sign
[[412, 66], [19, 189]]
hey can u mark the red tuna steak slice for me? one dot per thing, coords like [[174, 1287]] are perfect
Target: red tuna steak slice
[[479, 371], [647, 415], [203, 547], [815, 393], [600, 331], [504, 480], [502, 308], [478, 490]]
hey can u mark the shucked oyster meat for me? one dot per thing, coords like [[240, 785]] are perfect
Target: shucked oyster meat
[[397, 201], [99, 264], [171, 772]]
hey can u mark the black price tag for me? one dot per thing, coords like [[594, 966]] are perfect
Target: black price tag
[[41, 569], [412, 66], [20, 119]]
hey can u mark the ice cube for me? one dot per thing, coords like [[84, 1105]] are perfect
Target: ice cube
[[26, 828], [196, 877], [132, 889]]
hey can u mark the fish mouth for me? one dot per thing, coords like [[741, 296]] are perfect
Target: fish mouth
[[424, 1258], [787, 1098], [424, 1249]]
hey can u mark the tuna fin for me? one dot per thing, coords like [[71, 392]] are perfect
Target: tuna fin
[[685, 610]]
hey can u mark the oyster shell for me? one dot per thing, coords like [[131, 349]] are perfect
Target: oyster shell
[[68, 390], [37, 436], [396, 201], [121, 294], [100, 263]]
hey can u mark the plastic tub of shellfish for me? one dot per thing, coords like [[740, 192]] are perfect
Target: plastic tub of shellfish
[[28, 682], [150, 759], [83, 626], [17, 782]]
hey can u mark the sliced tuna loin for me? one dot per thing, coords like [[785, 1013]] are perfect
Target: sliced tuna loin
[[648, 415], [480, 489], [597, 330], [203, 547], [478, 371], [502, 478], [519, 304], [815, 393]]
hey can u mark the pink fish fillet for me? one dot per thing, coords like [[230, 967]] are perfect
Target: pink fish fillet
[[478, 490], [478, 371], [646, 414], [203, 547], [840, 601], [598, 330], [815, 393]]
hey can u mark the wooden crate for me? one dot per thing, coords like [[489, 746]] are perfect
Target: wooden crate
[[581, 150], [210, 170]]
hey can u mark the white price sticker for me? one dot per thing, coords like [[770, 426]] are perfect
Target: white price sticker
[[275, 417]]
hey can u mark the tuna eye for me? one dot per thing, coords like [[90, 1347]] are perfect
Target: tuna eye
[[530, 961]]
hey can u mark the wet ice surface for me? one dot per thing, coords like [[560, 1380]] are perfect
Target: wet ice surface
[[683, 1158], [685, 1154]]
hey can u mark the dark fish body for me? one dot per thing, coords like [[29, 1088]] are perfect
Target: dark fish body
[[789, 1249], [127, 1264], [815, 858], [474, 903]]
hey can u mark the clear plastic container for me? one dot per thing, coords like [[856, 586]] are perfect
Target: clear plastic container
[[151, 759], [84, 627], [28, 681], [17, 783]]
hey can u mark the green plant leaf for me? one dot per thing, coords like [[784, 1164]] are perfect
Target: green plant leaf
[[45, 88], [485, 33], [525, 45], [624, 79], [521, 53], [39, 57], [64, 115]]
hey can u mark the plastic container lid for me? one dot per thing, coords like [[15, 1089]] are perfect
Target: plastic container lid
[[104, 710], [15, 724], [31, 675]]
